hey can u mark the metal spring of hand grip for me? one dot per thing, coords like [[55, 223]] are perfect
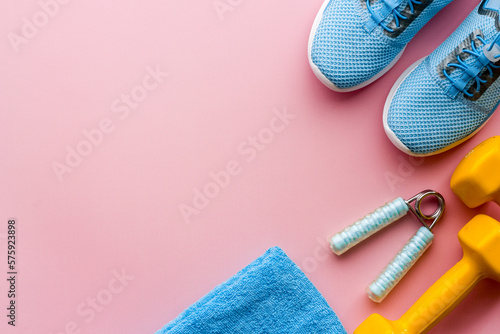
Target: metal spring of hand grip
[[381, 218]]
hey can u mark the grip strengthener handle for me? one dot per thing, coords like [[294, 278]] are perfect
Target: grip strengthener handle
[[368, 225], [400, 265]]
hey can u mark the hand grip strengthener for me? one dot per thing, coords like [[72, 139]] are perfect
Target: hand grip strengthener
[[411, 251]]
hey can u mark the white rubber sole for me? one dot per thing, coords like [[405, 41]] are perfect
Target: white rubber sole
[[394, 139], [321, 76]]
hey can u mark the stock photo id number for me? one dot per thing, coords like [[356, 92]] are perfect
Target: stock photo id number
[[11, 273]]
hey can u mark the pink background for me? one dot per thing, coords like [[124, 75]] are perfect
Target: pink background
[[118, 210]]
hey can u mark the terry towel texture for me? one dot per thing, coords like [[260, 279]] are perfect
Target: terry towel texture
[[271, 295]]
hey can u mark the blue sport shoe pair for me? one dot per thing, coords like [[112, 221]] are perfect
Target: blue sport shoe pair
[[438, 102]]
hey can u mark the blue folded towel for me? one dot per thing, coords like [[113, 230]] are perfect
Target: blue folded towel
[[271, 295]]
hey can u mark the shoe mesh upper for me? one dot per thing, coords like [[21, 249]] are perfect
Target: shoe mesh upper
[[423, 116], [427, 120], [348, 55]]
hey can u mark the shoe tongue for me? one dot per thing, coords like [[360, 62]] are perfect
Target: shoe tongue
[[456, 73], [479, 22], [377, 5], [491, 8], [470, 59]]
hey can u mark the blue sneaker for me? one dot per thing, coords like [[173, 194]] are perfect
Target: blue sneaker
[[354, 42], [444, 99]]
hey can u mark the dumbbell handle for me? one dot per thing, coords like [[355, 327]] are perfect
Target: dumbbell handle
[[439, 300]]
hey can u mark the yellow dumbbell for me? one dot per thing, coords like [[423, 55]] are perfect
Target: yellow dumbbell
[[480, 240], [476, 179]]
